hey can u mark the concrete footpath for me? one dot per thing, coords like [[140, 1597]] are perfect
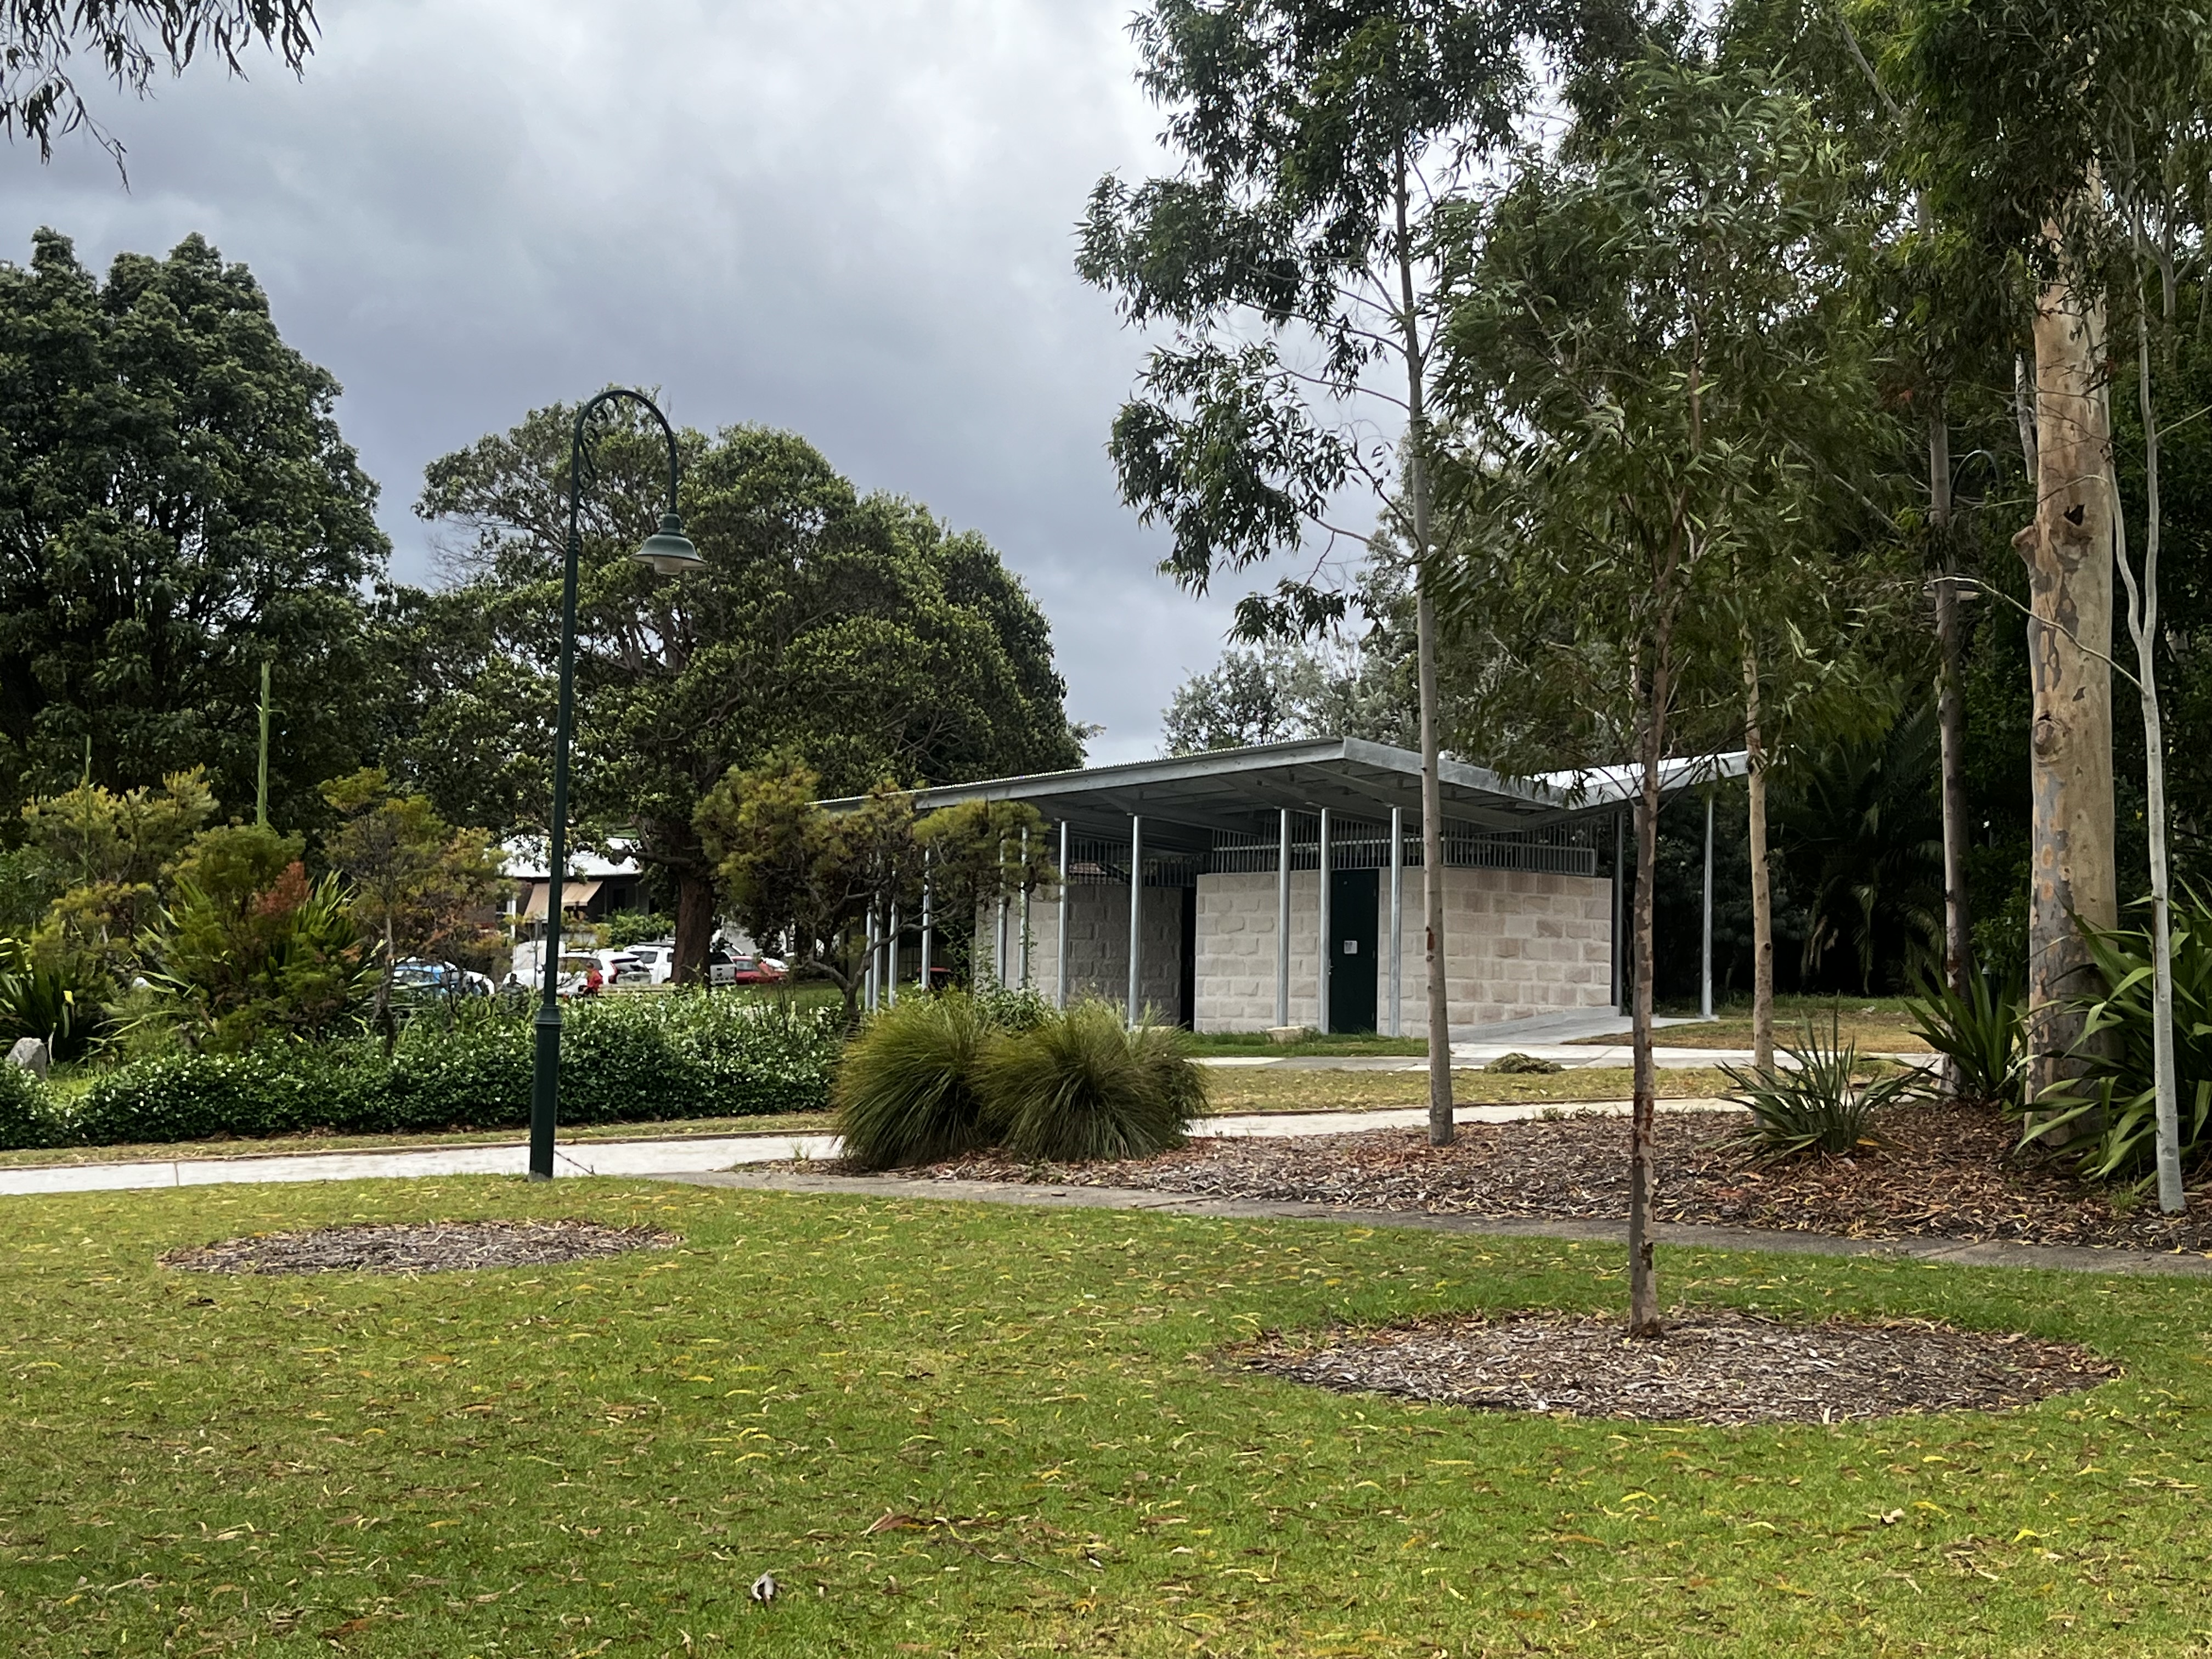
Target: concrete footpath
[[1947, 1252], [669, 1155]]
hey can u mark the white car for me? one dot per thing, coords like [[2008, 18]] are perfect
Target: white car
[[658, 958]]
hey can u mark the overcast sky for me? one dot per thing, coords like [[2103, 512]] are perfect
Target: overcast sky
[[852, 218]]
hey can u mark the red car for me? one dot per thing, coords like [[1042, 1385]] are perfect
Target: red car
[[747, 971]]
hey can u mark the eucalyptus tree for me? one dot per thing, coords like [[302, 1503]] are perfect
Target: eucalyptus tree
[[130, 40], [1641, 340], [2074, 131], [1288, 253]]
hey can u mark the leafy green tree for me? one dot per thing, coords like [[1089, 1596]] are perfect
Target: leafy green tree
[[106, 859], [1639, 344], [248, 948], [796, 874], [1289, 253], [176, 508], [2075, 131], [419, 885], [857, 631], [130, 40]]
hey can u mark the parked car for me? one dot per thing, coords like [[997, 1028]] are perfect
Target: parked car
[[419, 979], [658, 956], [748, 971]]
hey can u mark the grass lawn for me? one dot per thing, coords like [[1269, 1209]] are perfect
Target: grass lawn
[[973, 1431], [1877, 1025]]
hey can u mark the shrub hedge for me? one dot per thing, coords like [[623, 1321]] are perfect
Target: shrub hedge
[[623, 1058]]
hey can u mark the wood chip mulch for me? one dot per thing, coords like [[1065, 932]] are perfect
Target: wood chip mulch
[[437, 1247], [1713, 1365], [1950, 1172]]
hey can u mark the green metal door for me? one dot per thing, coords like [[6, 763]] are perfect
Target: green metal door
[[1353, 938]]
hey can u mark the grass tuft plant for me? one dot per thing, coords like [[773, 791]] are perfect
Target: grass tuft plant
[[907, 1091], [1083, 1086], [1814, 1104]]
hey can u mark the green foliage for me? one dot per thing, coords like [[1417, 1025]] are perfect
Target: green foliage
[[796, 874], [176, 508], [61, 1005], [2115, 1093], [1013, 1007], [1812, 1104], [419, 886], [691, 1053], [248, 948], [1980, 1033], [1080, 1086], [908, 1092], [857, 631], [638, 927], [107, 858], [28, 1117], [1859, 823]]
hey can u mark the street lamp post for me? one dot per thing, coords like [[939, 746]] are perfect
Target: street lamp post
[[670, 553]]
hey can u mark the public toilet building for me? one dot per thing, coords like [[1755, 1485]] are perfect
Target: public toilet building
[[1281, 885]]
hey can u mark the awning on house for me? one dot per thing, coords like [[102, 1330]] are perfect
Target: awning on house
[[575, 895]]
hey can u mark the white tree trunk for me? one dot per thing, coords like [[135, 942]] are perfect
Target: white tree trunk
[[1762, 895]]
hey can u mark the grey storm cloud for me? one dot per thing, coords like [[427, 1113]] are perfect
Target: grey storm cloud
[[851, 218]]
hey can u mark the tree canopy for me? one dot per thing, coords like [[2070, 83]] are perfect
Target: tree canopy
[[859, 632], [176, 507]]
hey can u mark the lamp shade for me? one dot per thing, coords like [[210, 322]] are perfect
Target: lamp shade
[[668, 549]]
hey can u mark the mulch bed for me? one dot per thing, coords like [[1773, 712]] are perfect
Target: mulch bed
[[437, 1247], [1952, 1172], [1713, 1365]]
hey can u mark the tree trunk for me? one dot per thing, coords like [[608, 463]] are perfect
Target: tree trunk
[[1643, 1123], [1950, 717], [2142, 626], [2069, 550], [695, 926], [1441, 1128], [1762, 894]]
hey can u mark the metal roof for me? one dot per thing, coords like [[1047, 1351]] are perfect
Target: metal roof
[[1185, 799]]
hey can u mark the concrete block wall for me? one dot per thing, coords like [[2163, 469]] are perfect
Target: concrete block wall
[[1236, 915], [1098, 944], [1517, 944]]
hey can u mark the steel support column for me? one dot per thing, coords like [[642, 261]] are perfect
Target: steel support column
[[1706, 939], [1136, 914], [1397, 913], [1059, 979], [1321, 968], [1283, 925]]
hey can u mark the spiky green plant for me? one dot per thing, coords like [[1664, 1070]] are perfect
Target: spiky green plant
[[907, 1090], [1081, 1085], [1812, 1104], [1979, 1032]]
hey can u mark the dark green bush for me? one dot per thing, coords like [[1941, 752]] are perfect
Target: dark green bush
[[1979, 1033], [27, 1110], [623, 1060], [2116, 1091], [1080, 1086], [1814, 1106], [907, 1092]]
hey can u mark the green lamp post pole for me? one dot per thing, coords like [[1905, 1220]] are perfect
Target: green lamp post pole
[[671, 554]]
